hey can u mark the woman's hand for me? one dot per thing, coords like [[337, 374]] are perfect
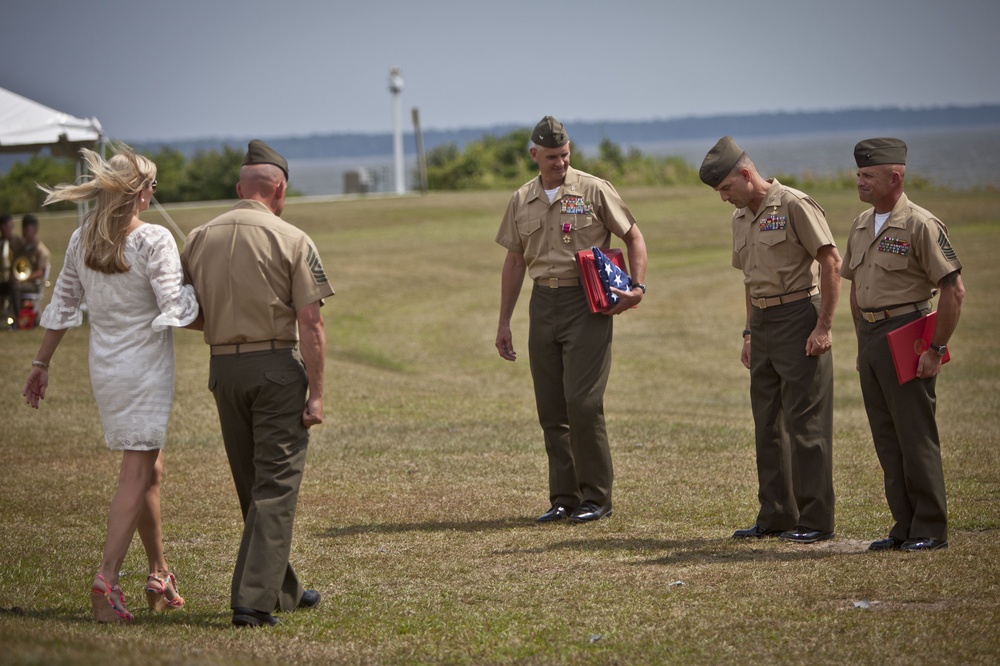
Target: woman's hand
[[34, 388]]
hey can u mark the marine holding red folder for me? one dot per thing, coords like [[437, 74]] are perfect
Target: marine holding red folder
[[899, 257], [602, 275], [548, 221]]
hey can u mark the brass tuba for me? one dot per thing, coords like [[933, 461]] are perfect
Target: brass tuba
[[22, 268]]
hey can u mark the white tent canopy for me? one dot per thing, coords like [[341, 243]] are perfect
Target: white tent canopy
[[27, 127]]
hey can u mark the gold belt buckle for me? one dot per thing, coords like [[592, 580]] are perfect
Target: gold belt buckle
[[553, 283], [869, 317]]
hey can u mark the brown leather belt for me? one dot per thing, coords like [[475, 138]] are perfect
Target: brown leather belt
[[781, 300], [873, 316], [247, 347], [555, 283]]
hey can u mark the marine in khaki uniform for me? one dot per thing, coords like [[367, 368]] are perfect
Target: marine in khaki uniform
[[790, 264], [898, 256], [260, 283], [547, 221]]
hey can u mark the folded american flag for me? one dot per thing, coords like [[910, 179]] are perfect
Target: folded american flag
[[611, 275]]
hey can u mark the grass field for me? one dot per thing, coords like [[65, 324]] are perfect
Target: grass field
[[416, 514]]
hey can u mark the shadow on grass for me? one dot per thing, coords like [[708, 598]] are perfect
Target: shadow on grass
[[722, 550], [429, 526], [81, 616]]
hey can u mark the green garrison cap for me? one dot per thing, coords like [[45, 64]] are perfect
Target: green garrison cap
[[550, 133], [259, 152], [871, 152], [720, 161]]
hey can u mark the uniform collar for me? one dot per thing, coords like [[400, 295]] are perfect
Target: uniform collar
[[569, 185], [771, 198], [896, 218], [254, 204]]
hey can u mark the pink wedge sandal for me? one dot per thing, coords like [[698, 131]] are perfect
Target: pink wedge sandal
[[162, 594], [105, 607]]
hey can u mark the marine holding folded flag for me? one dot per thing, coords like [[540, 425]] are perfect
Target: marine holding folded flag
[[898, 255], [783, 245], [548, 220]]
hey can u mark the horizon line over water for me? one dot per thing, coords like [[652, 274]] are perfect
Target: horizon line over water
[[960, 159]]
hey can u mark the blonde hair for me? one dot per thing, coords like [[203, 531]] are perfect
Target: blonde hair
[[114, 184]]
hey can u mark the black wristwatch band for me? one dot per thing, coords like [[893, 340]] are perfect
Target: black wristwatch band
[[640, 285], [746, 332]]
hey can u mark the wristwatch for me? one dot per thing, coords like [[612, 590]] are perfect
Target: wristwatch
[[940, 349], [640, 286]]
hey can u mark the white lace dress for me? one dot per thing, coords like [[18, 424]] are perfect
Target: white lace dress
[[131, 335]]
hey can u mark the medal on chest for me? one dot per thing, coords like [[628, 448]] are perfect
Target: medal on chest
[[573, 205], [774, 222], [894, 246]]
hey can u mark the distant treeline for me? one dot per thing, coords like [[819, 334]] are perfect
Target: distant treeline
[[623, 132], [489, 163], [493, 162], [503, 162], [209, 175]]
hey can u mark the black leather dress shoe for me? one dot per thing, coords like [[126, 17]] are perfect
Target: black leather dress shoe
[[310, 599], [588, 512], [755, 532], [248, 617], [921, 544], [805, 535], [888, 543], [556, 513]]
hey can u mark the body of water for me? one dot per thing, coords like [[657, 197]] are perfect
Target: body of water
[[961, 159]]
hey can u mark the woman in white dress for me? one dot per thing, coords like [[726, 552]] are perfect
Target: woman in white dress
[[130, 274]]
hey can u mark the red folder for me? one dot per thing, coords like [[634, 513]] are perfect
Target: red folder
[[596, 298], [908, 342]]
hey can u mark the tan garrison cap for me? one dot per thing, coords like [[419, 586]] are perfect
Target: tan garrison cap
[[720, 161], [871, 152], [259, 152], [550, 133]]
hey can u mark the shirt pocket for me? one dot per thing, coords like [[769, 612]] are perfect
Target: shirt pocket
[[857, 258], [576, 222], [587, 231], [773, 237], [890, 261], [740, 240], [528, 226]]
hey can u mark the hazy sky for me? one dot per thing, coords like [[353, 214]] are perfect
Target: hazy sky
[[173, 69]]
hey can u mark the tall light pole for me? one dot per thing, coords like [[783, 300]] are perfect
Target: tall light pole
[[396, 87]]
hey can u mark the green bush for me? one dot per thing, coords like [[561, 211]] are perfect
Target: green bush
[[18, 190], [504, 163], [210, 175]]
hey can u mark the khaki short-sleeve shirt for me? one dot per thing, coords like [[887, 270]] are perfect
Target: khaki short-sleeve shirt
[[776, 246], [584, 214], [252, 271], [904, 263]]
